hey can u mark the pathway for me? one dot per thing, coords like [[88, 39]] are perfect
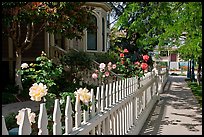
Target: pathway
[[177, 112], [15, 107]]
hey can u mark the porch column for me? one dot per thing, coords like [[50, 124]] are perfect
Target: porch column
[[10, 58], [68, 44], [52, 40], [47, 44], [99, 38], [52, 43]]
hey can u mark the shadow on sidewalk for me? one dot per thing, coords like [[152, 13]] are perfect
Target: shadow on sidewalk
[[179, 97]]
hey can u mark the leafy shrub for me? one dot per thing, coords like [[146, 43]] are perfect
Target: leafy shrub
[[8, 98], [106, 57], [11, 121]]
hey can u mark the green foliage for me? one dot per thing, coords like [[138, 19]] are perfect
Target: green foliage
[[77, 60], [8, 98], [68, 18], [10, 121], [129, 64], [43, 71], [105, 57], [197, 91], [162, 23]]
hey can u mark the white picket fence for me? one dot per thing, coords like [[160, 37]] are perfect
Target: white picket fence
[[121, 108]]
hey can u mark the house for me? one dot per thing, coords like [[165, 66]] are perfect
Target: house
[[54, 44], [169, 56]]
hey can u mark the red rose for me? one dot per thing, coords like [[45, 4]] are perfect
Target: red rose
[[144, 66], [145, 58], [122, 62], [125, 51], [121, 55]]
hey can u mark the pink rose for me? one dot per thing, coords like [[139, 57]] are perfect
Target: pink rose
[[110, 63], [125, 51], [114, 66], [96, 71], [145, 58], [94, 76], [144, 66], [107, 73], [137, 63], [109, 68]]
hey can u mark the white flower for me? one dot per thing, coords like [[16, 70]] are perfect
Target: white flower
[[102, 66], [31, 116], [24, 65], [37, 91], [83, 94]]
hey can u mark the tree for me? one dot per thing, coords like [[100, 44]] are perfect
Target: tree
[[163, 23], [67, 18]]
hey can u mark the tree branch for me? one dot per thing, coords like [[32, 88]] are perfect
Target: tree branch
[[40, 30], [19, 32], [26, 41]]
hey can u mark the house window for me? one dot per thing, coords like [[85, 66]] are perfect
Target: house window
[[163, 53], [92, 36], [173, 57], [103, 34]]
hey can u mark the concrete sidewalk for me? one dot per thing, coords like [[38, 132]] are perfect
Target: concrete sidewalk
[[177, 112], [15, 107]]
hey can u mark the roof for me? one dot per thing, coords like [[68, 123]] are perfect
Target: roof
[[103, 5]]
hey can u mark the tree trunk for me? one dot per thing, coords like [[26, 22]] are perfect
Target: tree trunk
[[199, 71], [18, 67]]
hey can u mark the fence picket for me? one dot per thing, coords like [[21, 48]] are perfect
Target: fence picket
[[68, 116], [99, 129], [102, 98], [25, 127], [110, 94], [98, 99], [92, 104], [42, 120], [57, 126], [120, 90], [4, 129], [114, 93], [78, 112], [107, 96]]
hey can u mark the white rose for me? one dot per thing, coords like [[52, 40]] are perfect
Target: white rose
[[24, 65]]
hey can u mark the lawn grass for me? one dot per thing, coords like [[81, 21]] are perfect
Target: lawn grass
[[197, 91]]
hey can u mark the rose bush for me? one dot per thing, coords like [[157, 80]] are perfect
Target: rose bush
[[128, 67], [104, 71]]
